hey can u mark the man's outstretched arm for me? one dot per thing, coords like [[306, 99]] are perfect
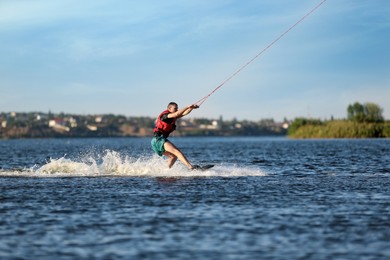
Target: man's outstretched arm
[[182, 112]]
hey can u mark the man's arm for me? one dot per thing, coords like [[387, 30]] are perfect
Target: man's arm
[[183, 112], [189, 109]]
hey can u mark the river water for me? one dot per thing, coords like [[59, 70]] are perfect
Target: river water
[[266, 198]]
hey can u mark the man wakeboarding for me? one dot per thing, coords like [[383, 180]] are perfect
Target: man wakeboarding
[[166, 124]]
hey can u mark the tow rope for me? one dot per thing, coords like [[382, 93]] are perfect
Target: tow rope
[[201, 101]]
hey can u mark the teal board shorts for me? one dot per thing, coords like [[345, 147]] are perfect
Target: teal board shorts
[[158, 144]]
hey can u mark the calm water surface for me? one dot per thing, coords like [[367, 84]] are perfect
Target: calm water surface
[[266, 198]]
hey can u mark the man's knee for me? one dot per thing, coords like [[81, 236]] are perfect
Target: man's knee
[[170, 155]]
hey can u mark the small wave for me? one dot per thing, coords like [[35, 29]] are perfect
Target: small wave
[[114, 164]]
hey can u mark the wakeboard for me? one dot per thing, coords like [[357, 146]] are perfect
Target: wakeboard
[[203, 167]]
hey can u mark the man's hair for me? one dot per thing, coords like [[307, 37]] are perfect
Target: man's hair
[[172, 104]]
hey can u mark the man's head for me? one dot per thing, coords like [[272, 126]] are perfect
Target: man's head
[[172, 107]]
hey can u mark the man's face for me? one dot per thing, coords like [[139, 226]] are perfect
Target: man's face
[[172, 108]]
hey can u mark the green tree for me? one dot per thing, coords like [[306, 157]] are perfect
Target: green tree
[[373, 112], [356, 112], [368, 112]]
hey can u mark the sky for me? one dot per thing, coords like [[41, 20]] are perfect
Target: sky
[[133, 57]]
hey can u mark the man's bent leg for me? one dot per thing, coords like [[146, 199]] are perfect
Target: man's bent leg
[[171, 148], [172, 159]]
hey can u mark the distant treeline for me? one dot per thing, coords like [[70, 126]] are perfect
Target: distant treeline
[[49, 125], [364, 121], [308, 128]]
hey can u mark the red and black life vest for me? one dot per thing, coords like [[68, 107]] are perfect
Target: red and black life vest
[[163, 127]]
